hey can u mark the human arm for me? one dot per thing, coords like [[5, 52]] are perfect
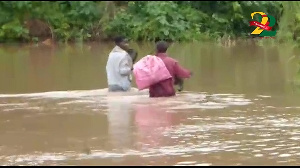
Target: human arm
[[124, 66], [181, 72]]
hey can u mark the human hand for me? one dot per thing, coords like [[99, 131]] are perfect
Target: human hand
[[180, 88]]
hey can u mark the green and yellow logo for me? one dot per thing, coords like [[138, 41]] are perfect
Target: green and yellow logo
[[264, 26]]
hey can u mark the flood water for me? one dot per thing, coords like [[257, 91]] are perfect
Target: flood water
[[239, 108]]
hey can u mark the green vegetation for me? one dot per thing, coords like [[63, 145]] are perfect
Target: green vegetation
[[169, 20]]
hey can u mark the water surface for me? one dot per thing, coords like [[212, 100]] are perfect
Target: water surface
[[238, 109]]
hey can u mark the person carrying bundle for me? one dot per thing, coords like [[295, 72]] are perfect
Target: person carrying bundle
[[159, 73]]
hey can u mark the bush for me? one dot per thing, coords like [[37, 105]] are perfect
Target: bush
[[153, 20]]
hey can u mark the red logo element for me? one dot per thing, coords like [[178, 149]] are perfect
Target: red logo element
[[265, 27]]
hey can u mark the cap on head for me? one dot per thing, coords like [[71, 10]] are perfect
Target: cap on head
[[162, 46]]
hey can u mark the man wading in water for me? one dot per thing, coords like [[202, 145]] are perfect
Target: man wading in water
[[165, 88], [119, 67]]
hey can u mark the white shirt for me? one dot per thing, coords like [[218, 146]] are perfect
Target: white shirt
[[118, 68]]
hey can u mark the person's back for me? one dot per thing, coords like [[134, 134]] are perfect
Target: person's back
[[166, 88], [118, 68]]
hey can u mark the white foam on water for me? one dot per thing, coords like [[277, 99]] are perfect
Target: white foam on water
[[186, 163], [258, 155], [295, 138], [228, 94], [270, 149], [33, 159], [23, 108], [200, 106], [240, 103], [203, 164], [13, 104], [263, 96], [59, 94], [284, 155], [77, 101], [100, 98], [72, 94]]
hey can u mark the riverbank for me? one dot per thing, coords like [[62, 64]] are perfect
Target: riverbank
[[33, 21]]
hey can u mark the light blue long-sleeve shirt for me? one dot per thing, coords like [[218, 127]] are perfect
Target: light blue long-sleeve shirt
[[118, 68]]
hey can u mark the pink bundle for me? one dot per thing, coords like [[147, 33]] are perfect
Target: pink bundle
[[150, 70]]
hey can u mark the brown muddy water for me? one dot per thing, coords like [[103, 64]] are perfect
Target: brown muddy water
[[238, 109]]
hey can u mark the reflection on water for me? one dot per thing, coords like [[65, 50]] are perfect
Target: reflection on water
[[119, 121], [238, 109], [151, 121]]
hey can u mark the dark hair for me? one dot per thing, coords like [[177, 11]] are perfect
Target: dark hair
[[119, 39], [162, 46]]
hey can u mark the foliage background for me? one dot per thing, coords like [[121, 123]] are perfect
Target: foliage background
[[147, 20]]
